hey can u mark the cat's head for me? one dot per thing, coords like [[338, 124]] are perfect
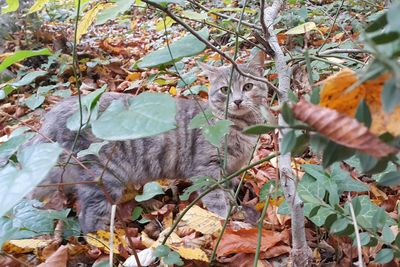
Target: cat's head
[[246, 94]]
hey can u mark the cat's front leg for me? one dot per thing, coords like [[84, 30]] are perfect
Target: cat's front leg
[[216, 201]]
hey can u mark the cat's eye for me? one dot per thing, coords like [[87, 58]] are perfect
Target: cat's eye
[[224, 89], [247, 87]]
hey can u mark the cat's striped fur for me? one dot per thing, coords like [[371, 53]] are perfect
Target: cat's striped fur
[[179, 153]]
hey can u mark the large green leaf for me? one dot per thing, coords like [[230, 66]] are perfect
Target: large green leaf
[[21, 55], [214, 133], [12, 5], [111, 13], [147, 114], [35, 162], [184, 47]]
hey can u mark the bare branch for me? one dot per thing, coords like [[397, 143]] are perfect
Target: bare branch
[[223, 15], [301, 253]]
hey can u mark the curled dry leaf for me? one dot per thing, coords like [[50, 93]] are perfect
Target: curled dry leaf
[[57, 259], [341, 129]]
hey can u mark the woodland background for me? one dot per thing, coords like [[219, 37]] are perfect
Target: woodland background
[[323, 179]]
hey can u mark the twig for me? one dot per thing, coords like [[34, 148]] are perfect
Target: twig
[[330, 30], [112, 221], [224, 16], [210, 45], [356, 231], [260, 224], [347, 51]]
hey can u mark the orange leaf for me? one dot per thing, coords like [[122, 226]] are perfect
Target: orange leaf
[[334, 95], [57, 259], [245, 241], [341, 129]]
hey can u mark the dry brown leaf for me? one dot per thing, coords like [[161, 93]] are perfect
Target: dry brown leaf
[[245, 241], [57, 259], [341, 129], [334, 95]]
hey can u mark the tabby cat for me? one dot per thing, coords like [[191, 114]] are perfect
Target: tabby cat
[[179, 153]]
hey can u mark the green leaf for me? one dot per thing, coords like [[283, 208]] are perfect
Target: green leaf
[[111, 13], [214, 132], [150, 190], [93, 149], [200, 120], [161, 251], [386, 37], [303, 28], [184, 47], [195, 90], [340, 226], [384, 256], [136, 213], [334, 152], [302, 141], [287, 114], [314, 211], [387, 235], [363, 114], [28, 219], [390, 179], [29, 78], [21, 55], [355, 202], [147, 114], [364, 239], [288, 142], [260, 129], [173, 258], [6, 91], [199, 183], [367, 162], [12, 5], [35, 162], [390, 95], [165, 2], [194, 15], [378, 24], [34, 101], [11, 146]]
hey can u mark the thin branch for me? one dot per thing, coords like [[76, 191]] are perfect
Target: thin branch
[[356, 231], [210, 45], [346, 51], [223, 15], [112, 222]]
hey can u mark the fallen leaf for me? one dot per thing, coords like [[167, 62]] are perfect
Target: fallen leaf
[[101, 239], [57, 259], [342, 129], [88, 19], [334, 95], [24, 245], [202, 221], [245, 241]]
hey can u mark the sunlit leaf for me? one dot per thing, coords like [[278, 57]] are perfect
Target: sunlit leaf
[[21, 55]]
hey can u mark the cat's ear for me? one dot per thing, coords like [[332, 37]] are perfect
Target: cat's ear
[[207, 70], [257, 62]]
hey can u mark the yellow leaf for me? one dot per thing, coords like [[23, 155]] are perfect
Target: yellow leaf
[[38, 5], [23, 245], [176, 243], [101, 239], [172, 90], [335, 95], [201, 220], [88, 19], [134, 76], [168, 23], [302, 28]]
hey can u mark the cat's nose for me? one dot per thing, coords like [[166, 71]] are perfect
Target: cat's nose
[[238, 102]]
